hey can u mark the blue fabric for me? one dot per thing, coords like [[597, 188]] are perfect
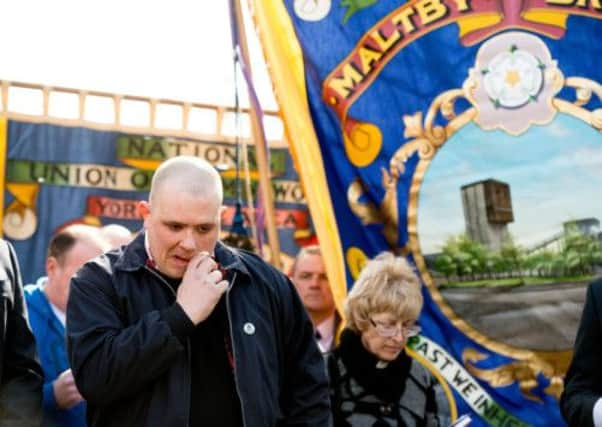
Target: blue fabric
[[50, 338], [380, 100], [36, 150]]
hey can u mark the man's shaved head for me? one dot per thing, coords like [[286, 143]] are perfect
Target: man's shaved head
[[183, 214], [187, 174]]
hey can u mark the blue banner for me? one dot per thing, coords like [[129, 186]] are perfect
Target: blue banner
[[466, 135], [59, 175]]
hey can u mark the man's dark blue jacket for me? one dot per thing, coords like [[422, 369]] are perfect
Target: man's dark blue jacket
[[132, 369]]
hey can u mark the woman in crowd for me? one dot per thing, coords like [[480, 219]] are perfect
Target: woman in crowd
[[373, 381]]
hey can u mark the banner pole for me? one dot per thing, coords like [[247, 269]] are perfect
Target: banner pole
[[261, 146], [3, 149]]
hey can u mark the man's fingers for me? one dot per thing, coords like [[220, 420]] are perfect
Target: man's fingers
[[204, 262], [200, 259], [199, 265], [222, 286], [214, 277]]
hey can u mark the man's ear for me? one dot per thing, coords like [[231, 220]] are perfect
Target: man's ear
[[144, 209], [221, 212], [51, 265]]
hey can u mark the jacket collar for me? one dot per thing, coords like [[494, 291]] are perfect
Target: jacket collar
[[133, 256], [38, 301], [230, 258]]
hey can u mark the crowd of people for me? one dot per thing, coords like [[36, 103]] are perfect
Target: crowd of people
[[171, 327]]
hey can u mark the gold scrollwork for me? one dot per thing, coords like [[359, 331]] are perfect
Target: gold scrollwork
[[356, 259], [584, 88], [597, 118], [387, 213], [428, 137], [524, 372], [363, 141]]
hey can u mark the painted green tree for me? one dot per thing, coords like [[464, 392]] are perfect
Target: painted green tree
[[462, 259]]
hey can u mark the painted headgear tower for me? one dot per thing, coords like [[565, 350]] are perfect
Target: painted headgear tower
[[487, 209]]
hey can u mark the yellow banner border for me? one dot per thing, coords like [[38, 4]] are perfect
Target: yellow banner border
[[3, 154], [285, 64]]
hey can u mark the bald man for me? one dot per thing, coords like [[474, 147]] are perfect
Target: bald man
[[116, 234], [176, 329], [68, 250]]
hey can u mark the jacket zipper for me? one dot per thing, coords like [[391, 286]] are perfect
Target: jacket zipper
[[242, 406], [188, 355]]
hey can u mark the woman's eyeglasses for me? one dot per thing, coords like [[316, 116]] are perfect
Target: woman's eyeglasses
[[389, 331]]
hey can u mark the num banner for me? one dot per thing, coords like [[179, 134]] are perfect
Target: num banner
[[59, 175], [464, 135]]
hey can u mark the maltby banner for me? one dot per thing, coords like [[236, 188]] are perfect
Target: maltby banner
[[464, 135], [59, 175]]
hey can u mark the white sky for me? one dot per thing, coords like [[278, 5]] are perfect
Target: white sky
[[173, 49]]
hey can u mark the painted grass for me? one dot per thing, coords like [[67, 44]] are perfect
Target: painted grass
[[515, 281]]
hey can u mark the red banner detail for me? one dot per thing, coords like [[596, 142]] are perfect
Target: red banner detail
[[112, 208], [285, 218]]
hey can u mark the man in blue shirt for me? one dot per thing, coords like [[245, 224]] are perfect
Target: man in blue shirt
[[68, 250]]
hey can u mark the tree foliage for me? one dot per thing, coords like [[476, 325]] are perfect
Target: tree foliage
[[463, 259]]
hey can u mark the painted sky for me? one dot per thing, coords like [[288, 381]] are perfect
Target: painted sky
[[554, 172]]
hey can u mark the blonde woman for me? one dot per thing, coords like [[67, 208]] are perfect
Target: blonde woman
[[373, 381]]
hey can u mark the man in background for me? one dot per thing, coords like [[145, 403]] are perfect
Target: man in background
[[309, 276], [21, 376], [68, 250]]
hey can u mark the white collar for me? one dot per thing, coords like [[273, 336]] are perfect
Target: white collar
[[326, 330]]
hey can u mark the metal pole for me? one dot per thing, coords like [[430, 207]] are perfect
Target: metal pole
[[260, 150]]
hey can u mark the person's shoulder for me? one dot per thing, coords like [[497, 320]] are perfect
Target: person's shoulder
[[38, 305], [334, 362], [421, 374], [260, 273], [595, 290], [254, 264], [98, 267], [335, 368], [33, 290], [4, 245], [6, 250], [596, 284], [247, 256]]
